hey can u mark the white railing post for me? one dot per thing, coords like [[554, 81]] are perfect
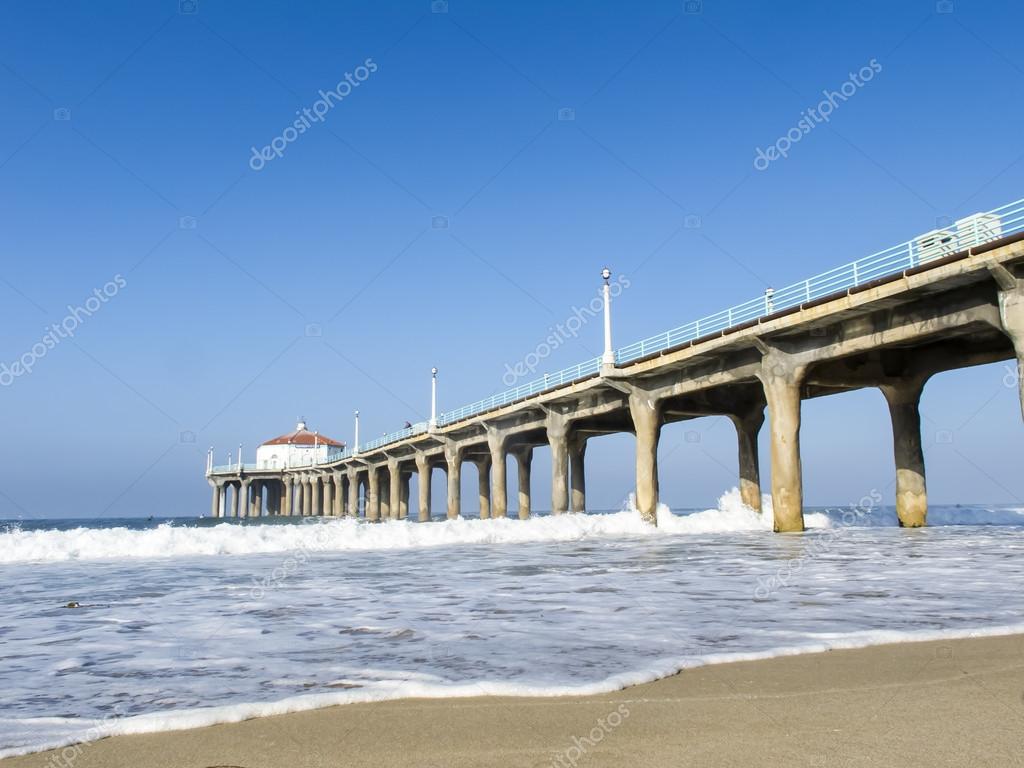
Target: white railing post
[[433, 399], [608, 358]]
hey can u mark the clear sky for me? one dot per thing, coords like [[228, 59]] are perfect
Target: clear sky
[[321, 282]]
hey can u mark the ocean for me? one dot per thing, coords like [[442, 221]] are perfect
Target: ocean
[[184, 622]]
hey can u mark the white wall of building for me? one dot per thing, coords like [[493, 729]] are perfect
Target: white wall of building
[[281, 456]]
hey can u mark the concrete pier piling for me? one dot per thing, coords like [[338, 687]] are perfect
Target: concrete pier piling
[[1011, 317], [394, 489], [497, 444], [903, 399], [524, 465], [328, 483], [645, 411], [217, 504], [483, 474], [353, 492], [748, 426], [782, 379], [556, 427], [423, 480], [577, 473], [373, 494], [403, 495], [453, 454]]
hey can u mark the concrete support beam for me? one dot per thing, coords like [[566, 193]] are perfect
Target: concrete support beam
[[557, 425], [353, 493], [646, 412], [298, 503], [394, 489], [373, 494], [497, 444], [403, 496], [256, 499], [524, 465], [243, 503], [1011, 316], [453, 457], [384, 493], [286, 495], [215, 504], [577, 473], [904, 398], [318, 500], [423, 473], [338, 509], [307, 496], [782, 378], [273, 498], [328, 481], [748, 425], [483, 473]]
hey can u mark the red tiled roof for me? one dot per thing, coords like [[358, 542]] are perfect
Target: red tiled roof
[[304, 437]]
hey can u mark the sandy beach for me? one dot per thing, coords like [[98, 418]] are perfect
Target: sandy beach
[[944, 703]]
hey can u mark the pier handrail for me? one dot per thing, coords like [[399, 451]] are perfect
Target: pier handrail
[[968, 232]]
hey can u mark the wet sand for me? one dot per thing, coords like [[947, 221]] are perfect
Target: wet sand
[[944, 703]]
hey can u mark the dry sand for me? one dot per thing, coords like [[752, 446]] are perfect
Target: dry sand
[[947, 703]]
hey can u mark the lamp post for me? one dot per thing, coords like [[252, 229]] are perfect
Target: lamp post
[[239, 457], [355, 441], [433, 398], [209, 460], [608, 358]]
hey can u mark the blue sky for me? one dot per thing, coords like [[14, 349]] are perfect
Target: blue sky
[[230, 274]]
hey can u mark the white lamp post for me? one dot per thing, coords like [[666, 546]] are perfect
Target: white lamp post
[[355, 442], [608, 358], [239, 457], [433, 398]]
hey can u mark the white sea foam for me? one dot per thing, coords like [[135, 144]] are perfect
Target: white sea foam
[[306, 616], [55, 732], [338, 535]]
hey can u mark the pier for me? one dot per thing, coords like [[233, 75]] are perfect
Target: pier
[[947, 299]]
